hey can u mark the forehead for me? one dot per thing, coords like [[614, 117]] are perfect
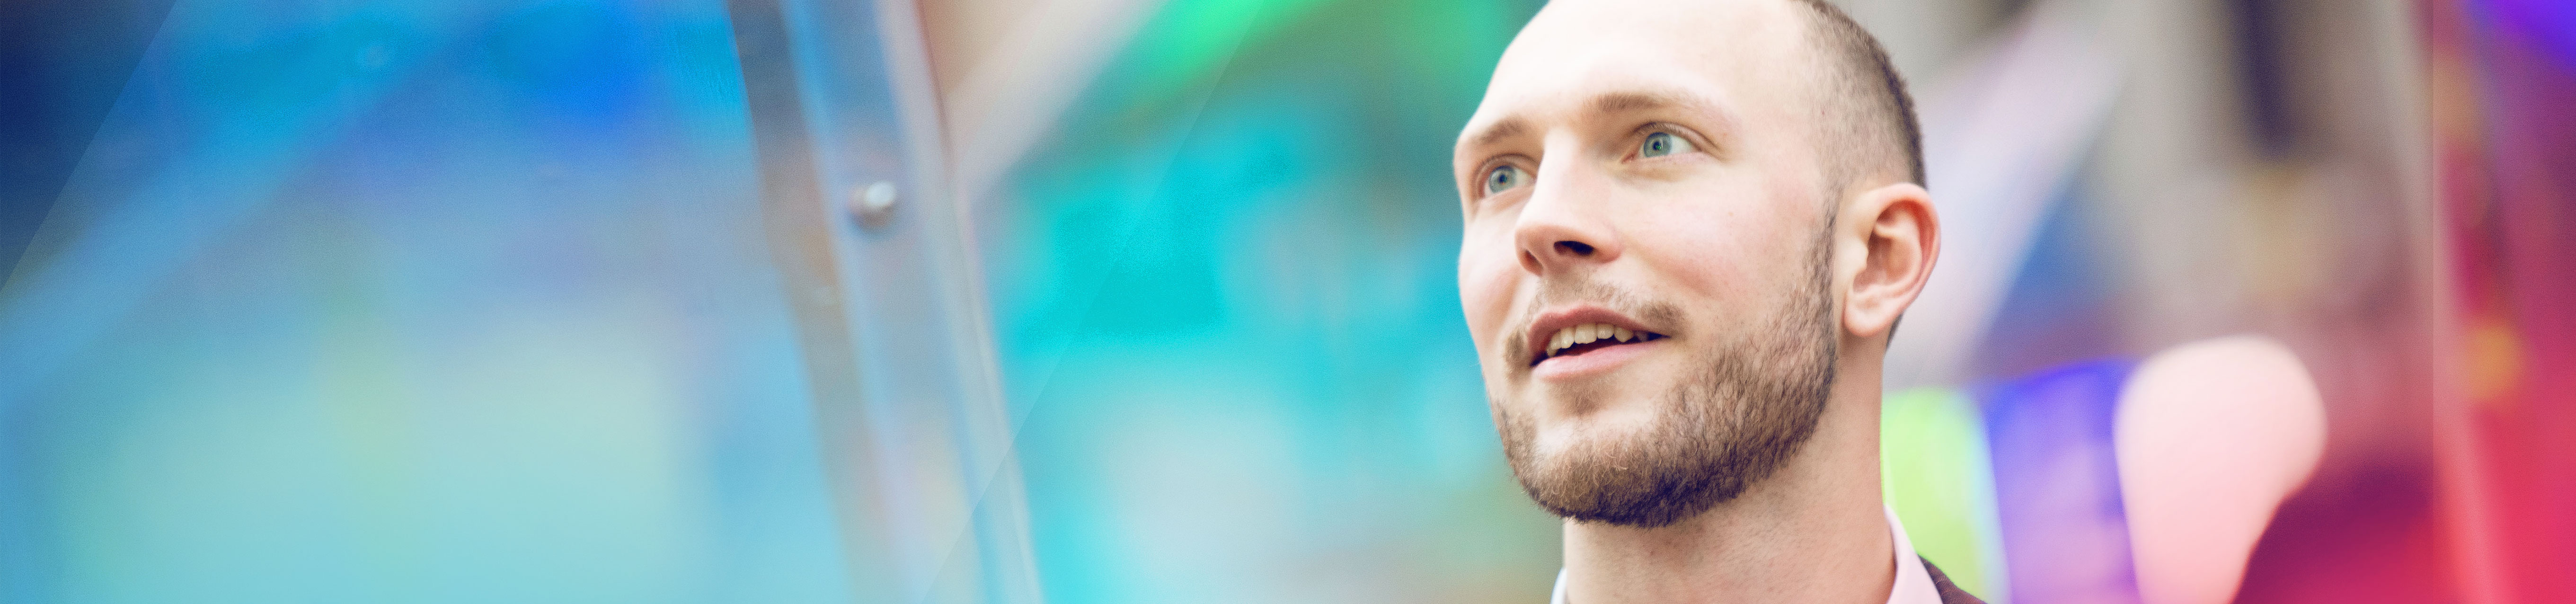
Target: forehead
[[1745, 55]]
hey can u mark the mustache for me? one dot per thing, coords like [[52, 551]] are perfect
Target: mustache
[[1558, 292]]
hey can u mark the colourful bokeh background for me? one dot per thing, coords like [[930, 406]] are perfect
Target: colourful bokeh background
[[503, 301]]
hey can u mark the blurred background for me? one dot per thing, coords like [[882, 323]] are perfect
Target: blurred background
[[1148, 300]]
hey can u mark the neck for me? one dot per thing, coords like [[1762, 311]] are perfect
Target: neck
[[1814, 531]]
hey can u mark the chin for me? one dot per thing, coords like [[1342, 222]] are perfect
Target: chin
[[1637, 389], [1561, 418]]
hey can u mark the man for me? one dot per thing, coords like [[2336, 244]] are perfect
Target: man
[[1691, 227]]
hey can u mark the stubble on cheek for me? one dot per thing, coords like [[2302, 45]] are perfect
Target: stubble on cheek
[[1513, 357]]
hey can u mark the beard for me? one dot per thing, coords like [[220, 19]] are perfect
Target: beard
[[1754, 401]]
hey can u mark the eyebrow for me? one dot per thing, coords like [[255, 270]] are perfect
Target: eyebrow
[[1627, 102], [1720, 123], [1613, 103], [1506, 128]]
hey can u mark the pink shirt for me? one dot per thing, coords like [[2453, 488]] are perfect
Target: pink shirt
[[1913, 584]]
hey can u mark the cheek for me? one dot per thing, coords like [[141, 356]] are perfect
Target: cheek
[[1487, 274], [1714, 251]]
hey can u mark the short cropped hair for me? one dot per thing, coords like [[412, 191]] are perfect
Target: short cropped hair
[[1870, 122]]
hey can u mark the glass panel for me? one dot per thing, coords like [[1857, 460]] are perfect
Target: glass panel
[[431, 301]]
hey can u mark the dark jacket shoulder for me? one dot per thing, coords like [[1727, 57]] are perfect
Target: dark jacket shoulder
[[1950, 592]]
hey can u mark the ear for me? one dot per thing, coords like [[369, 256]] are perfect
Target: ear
[[1901, 238]]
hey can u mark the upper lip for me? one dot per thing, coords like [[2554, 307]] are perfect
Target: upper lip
[[1549, 322]]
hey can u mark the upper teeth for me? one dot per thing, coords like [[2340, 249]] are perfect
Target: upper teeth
[[1588, 333]]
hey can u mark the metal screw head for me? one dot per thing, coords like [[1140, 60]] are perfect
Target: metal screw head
[[873, 204]]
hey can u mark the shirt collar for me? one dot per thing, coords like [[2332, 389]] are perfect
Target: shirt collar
[[1913, 584]]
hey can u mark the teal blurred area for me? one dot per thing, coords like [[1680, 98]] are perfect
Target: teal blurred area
[[411, 302], [1225, 302]]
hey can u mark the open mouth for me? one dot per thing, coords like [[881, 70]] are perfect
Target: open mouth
[[1588, 337]]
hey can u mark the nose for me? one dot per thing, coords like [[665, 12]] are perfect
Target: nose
[[1563, 227]]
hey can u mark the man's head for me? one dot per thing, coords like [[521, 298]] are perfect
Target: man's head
[[1683, 220]]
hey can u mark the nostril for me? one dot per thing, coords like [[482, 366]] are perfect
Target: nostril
[[1577, 248]]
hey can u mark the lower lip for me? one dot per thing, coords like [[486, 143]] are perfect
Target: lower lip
[[1588, 364]]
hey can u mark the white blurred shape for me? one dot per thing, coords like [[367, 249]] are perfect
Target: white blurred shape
[[1009, 68], [2212, 436], [2002, 139]]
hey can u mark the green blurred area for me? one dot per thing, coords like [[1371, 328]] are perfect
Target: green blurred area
[[1939, 478]]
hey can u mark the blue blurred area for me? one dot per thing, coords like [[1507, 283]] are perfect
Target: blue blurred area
[[412, 301], [2062, 299]]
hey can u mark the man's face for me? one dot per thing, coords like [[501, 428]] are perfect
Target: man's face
[[1648, 171]]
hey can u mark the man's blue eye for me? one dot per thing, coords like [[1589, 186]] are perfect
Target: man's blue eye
[[1504, 178], [1663, 143]]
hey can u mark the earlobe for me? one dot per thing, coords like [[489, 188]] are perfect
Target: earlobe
[[1901, 240]]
